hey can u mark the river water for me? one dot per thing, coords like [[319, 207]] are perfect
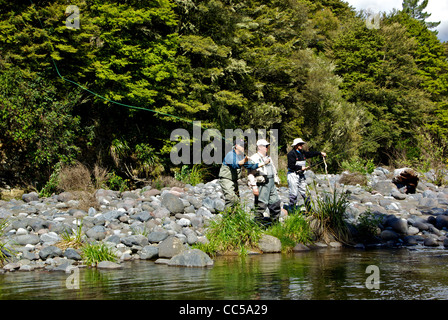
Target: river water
[[336, 274]]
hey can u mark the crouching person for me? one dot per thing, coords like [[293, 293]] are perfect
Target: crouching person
[[263, 182]]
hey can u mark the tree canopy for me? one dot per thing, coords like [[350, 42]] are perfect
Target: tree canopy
[[113, 90]]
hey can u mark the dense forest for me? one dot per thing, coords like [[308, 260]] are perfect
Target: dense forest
[[110, 91]]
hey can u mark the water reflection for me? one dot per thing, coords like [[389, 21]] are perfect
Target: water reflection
[[338, 274]]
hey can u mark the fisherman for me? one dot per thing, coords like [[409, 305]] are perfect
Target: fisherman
[[230, 172], [296, 172], [263, 182]]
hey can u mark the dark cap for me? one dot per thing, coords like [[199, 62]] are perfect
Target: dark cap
[[239, 142]]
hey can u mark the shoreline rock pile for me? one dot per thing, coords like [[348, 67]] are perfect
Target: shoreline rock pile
[[161, 225]]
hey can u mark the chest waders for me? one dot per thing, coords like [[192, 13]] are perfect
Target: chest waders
[[228, 180], [268, 199]]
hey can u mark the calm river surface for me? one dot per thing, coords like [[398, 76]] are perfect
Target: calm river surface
[[337, 274]]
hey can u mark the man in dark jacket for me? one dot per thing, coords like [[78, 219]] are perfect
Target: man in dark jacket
[[296, 172]]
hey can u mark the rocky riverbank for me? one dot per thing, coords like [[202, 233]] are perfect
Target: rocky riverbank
[[161, 225]]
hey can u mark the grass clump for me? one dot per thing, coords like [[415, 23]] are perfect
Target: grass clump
[[5, 252], [197, 174], [328, 213], [72, 239], [93, 253], [295, 229], [236, 232]]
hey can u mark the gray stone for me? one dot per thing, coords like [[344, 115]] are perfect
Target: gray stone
[[108, 265], [27, 239], [28, 197], [398, 195], [142, 216], [421, 225], [161, 213], [300, 247], [71, 253], [51, 237], [170, 247], [138, 240], [157, 236], [29, 255], [36, 224], [192, 238], [97, 233], [269, 244], [441, 222], [184, 222], [413, 230], [399, 225], [149, 252], [220, 205], [65, 197], [50, 252], [172, 203], [11, 266], [191, 258], [410, 240], [387, 235], [431, 242]]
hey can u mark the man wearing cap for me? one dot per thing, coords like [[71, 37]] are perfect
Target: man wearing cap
[[296, 172], [262, 181], [230, 172]]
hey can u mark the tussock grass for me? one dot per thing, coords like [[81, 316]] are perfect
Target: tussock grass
[[295, 229], [327, 217], [93, 253], [235, 232], [5, 251]]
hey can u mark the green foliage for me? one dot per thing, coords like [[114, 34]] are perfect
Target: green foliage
[[193, 176], [295, 229], [235, 232], [308, 68], [368, 225], [38, 129], [93, 253], [115, 182], [51, 186], [357, 164]]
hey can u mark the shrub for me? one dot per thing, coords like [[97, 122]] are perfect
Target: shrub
[[193, 176], [356, 164], [368, 225]]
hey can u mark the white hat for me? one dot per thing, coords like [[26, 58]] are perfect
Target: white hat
[[262, 142], [297, 141]]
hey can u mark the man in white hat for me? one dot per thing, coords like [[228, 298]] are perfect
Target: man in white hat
[[296, 172], [263, 182]]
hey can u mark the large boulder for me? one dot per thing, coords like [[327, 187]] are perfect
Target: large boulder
[[172, 203], [191, 258], [269, 244], [170, 247]]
